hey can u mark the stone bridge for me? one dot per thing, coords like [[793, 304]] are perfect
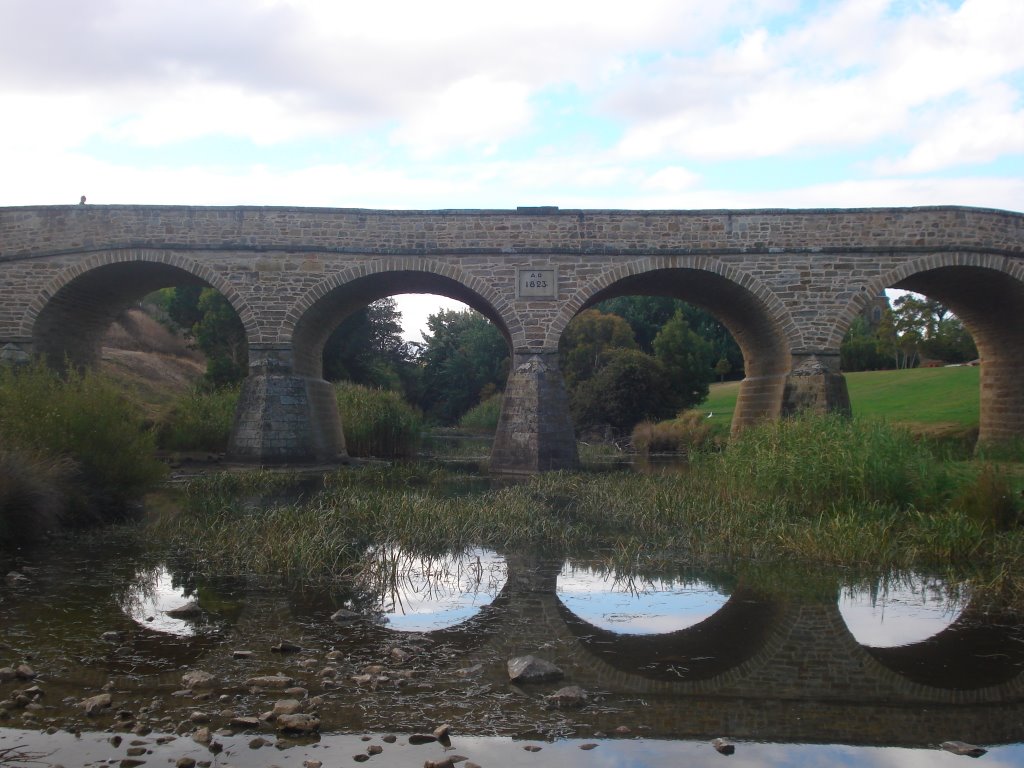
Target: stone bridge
[[786, 283]]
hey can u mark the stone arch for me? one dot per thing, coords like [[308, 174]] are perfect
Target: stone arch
[[909, 671], [720, 648], [68, 318], [986, 291], [762, 326], [322, 308]]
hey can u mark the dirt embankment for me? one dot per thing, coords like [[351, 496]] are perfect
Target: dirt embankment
[[154, 363]]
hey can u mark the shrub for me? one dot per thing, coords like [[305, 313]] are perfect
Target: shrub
[[33, 489], [200, 421], [84, 418], [378, 422], [483, 417], [690, 430], [817, 460], [630, 387]]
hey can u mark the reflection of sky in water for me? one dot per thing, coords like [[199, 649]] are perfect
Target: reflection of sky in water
[[636, 607], [903, 612], [151, 595], [434, 593], [642, 753]]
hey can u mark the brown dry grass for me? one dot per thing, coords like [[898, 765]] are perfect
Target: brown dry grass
[[154, 365]]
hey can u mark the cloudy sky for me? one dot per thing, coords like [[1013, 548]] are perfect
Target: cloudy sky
[[650, 104]]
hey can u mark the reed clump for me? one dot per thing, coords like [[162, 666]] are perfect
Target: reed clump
[[80, 430], [483, 417], [689, 431], [199, 420], [378, 422], [814, 490]]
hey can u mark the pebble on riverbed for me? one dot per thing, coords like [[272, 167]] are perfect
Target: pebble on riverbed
[[198, 678], [570, 697], [531, 669], [94, 704], [270, 681], [189, 610], [963, 748], [298, 723]]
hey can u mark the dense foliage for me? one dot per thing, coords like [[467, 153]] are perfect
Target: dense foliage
[[378, 422], [465, 359], [783, 492], [79, 431]]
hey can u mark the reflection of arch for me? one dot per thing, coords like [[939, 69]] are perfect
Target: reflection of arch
[[68, 319], [734, 635], [756, 318], [978, 650], [987, 293], [322, 308]]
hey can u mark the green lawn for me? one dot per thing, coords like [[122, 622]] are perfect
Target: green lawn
[[935, 397]]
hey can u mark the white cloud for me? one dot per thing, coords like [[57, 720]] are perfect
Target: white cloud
[[990, 125], [848, 77]]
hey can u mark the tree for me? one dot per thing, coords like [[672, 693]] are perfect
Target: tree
[[925, 327], [587, 339], [865, 348], [687, 359], [367, 348], [647, 315], [220, 335], [464, 357], [630, 387]]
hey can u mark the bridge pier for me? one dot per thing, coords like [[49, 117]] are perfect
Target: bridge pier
[[15, 352], [815, 384], [535, 432], [282, 417]]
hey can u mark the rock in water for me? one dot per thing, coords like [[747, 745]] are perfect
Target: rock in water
[[963, 748], [94, 704], [197, 678], [298, 723], [189, 610], [270, 681], [723, 746], [344, 616], [570, 697], [530, 669]]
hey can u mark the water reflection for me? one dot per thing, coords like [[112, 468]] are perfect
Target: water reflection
[[891, 612], [627, 604], [762, 655], [428, 593], [152, 595]]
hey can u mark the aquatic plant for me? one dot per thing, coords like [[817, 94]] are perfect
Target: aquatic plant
[[84, 420], [378, 422], [200, 420], [817, 490], [690, 430], [483, 417]]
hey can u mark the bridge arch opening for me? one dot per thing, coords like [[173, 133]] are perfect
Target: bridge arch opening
[[326, 313], [462, 360], [756, 326], [989, 302], [933, 633], [733, 635], [70, 324]]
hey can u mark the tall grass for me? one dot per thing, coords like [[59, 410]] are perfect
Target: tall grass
[[483, 417], [378, 422], [821, 460], [79, 420], [200, 420], [814, 489], [689, 431], [33, 490]]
